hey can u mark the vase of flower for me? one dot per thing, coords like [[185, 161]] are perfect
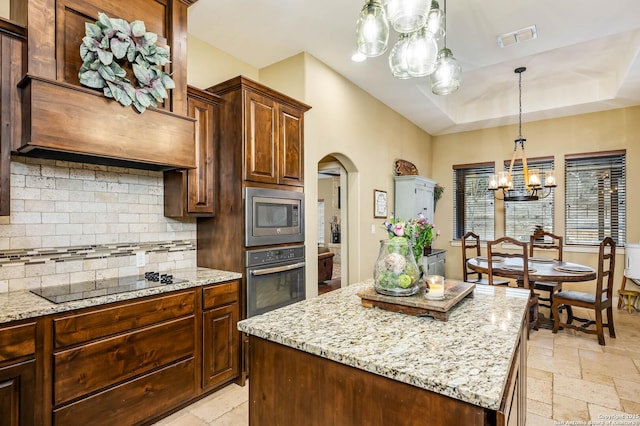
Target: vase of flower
[[396, 272]]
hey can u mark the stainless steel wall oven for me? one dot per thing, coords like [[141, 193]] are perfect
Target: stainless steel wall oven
[[275, 278]]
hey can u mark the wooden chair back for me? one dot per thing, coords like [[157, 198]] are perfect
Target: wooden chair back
[[470, 248], [554, 244], [522, 253], [606, 268], [598, 302]]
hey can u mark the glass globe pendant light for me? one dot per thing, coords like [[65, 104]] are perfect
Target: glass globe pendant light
[[407, 15], [447, 76], [436, 20], [422, 51], [372, 29], [398, 57]]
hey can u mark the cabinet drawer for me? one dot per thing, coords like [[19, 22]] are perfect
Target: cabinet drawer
[[134, 401], [17, 341], [79, 328], [220, 294], [93, 366]]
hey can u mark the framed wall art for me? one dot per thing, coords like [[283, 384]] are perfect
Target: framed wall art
[[379, 203]]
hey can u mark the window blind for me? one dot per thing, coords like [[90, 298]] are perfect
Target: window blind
[[473, 208], [521, 217], [595, 194]]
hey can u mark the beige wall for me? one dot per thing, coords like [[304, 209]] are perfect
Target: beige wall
[[345, 122], [603, 131]]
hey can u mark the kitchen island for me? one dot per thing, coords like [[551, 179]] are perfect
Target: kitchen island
[[329, 360]]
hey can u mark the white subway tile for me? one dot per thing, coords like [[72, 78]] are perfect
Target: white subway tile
[[68, 266], [82, 218], [106, 197], [94, 228], [39, 206], [26, 217], [55, 280], [4, 286], [40, 229], [54, 194], [68, 229], [118, 187], [55, 217], [107, 176], [94, 264], [89, 185], [8, 272], [30, 283], [70, 184], [84, 196], [106, 238], [80, 277], [129, 218], [106, 274], [56, 241], [40, 182], [41, 269], [25, 242], [84, 174], [82, 240], [27, 193], [18, 181]]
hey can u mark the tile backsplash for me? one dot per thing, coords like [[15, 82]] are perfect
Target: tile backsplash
[[73, 222]]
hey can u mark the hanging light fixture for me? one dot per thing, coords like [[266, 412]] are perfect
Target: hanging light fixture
[[447, 75], [533, 184], [398, 57], [407, 15], [420, 24], [372, 29]]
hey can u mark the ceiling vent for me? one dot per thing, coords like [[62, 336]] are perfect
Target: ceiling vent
[[515, 37]]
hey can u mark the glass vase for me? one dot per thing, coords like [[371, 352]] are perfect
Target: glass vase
[[396, 272]]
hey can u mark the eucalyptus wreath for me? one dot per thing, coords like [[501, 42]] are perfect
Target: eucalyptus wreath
[[107, 44]]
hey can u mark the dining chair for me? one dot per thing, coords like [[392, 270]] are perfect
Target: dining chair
[[522, 253], [552, 244], [598, 301], [470, 249]]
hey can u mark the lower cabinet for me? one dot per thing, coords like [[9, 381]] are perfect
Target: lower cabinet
[[17, 375], [220, 347], [17, 388], [133, 362]]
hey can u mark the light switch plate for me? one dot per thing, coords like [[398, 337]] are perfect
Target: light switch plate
[[373, 228]]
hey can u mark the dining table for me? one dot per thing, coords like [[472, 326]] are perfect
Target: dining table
[[539, 269]]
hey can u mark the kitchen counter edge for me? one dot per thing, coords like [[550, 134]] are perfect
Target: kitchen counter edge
[[21, 305]]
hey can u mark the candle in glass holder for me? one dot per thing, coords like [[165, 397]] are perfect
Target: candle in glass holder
[[436, 287]]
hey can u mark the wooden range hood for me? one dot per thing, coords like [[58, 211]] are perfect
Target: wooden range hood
[[63, 120]]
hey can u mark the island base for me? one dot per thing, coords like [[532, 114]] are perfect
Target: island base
[[288, 386]]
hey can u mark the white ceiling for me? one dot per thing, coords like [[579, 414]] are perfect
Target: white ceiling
[[585, 58]]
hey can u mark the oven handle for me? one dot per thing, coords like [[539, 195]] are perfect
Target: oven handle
[[277, 269]]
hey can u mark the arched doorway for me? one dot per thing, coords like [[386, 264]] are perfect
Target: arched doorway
[[332, 224]]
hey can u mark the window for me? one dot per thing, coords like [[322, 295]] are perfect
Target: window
[[473, 208], [595, 193], [521, 217]]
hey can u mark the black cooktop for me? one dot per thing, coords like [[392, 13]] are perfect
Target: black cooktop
[[91, 289]]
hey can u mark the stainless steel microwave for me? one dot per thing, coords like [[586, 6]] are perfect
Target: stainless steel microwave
[[273, 216]]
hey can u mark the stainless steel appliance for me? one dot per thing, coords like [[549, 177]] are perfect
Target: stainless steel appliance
[[275, 278], [273, 216]]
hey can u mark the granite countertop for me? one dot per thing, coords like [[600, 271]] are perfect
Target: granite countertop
[[23, 304], [467, 358]]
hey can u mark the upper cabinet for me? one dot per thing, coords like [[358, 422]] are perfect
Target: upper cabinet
[[63, 119], [271, 126], [192, 192], [414, 195]]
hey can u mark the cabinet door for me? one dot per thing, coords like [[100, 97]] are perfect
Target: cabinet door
[[291, 146], [261, 149], [17, 390], [221, 338], [191, 192], [201, 180]]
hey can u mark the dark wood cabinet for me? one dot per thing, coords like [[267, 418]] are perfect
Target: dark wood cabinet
[[18, 375], [270, 128], [192, 192], [124, 363], [220, 350]]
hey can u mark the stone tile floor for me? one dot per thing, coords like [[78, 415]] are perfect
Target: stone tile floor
[[570, 380]]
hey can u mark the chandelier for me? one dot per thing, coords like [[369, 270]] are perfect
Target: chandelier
[[421, 25], [533, 184]]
